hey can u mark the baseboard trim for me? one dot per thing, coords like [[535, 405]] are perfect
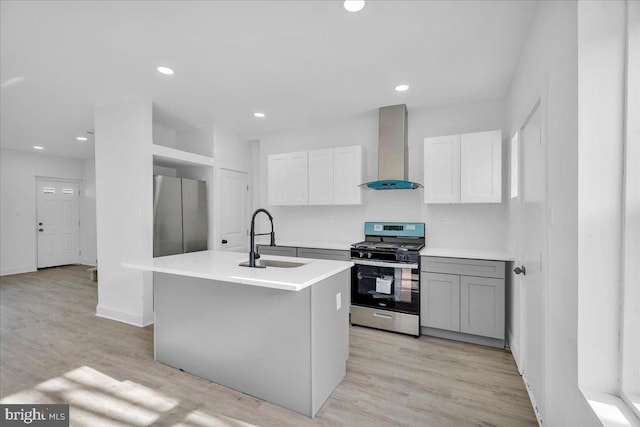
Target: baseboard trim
[[128, 318], [534, 405], [91, 262], [18, 270], [460, 336]]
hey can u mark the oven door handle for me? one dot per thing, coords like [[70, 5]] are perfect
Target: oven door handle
[[384, 264]]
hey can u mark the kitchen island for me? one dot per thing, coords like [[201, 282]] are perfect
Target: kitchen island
[[279, 334]]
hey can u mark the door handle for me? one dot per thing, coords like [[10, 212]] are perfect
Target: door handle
[[224, 241], [519, 270]]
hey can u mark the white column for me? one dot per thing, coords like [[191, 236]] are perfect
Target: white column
[[124, 205]]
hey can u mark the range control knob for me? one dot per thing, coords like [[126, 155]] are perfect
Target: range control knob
[[361, 254], [369, 255]]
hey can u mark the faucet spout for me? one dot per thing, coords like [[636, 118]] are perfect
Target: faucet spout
[[253, 255]]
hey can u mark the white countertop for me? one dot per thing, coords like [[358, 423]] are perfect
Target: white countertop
[[340, 246], [467, 253], [223, 266]]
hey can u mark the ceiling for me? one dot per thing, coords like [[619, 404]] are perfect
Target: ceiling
[[299, 62]]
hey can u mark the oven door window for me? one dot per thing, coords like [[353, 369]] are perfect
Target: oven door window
[[386, 287]]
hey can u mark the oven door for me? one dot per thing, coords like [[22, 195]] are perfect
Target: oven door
[[387, 285]]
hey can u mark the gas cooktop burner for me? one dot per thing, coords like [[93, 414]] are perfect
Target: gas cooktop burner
[[388, 246]]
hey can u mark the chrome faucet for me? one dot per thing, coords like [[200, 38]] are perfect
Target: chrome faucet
[[253, 253]]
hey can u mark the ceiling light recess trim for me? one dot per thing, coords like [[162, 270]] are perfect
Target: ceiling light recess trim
[[82, 138], [260, 115], [354, 5], [402, 88], [37, 147]]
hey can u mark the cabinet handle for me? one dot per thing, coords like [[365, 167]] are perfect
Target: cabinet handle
[[384, 316], [224, 241]]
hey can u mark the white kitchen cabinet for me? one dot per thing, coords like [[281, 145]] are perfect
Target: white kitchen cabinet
[[481, 167], [297, 178], [463, 298], [287, 179], [277, 179], [442, 169], [321, 180], [348, 174], [440, 301], [318, 177], [463, 168]]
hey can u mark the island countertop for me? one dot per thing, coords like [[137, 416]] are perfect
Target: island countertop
[[223, 266]]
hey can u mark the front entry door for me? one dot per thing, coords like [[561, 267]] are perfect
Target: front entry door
[[58, 223], [233, 210], [532, 253]]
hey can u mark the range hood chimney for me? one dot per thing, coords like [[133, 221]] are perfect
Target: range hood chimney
[[393, 162]]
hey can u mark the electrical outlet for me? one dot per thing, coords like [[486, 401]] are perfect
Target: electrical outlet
[[338, 301]]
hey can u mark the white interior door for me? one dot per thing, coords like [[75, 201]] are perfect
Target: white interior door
[[58, 223], [234, 192], [532, 254]]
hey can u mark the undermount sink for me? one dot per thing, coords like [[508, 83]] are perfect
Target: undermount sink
[[262, 263]]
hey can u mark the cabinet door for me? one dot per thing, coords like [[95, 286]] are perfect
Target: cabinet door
[[481, 167], [297, 178], [440, 301], [482, 306], [277, 179], [348, 174], [321, 177], [442, 169]]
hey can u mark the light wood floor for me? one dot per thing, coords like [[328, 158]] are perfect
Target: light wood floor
[[54, 349]]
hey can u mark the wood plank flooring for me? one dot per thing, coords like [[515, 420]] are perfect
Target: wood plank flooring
[[54, 349]]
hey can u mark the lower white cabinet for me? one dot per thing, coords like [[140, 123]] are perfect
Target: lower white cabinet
[[463, 295]]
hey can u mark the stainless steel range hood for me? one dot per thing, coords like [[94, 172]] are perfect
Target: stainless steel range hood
[[393, 162]]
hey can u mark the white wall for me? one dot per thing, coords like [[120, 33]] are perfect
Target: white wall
[[124, 203], [479, 226], [549, 65], [601, 130], [18, 172]]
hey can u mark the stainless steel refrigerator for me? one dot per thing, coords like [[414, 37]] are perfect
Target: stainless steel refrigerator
[[179, 215]]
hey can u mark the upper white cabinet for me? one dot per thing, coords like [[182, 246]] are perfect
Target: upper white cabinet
[[287, 176], [348, 174], [442, 169], [319, 177], [463, 168], [481, 167], [297, 178]]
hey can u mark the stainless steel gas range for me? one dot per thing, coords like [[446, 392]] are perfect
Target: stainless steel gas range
[[385, 280]]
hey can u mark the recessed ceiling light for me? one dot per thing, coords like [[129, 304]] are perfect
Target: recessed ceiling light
[[81, 138], [354, 5], [259, 114], [402, 88], [165, 70], [37, 147]]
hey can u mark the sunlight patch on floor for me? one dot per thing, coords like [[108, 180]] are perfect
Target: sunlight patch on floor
[[97, 399]]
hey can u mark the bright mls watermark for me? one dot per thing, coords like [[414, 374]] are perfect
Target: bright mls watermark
[[53, 415]]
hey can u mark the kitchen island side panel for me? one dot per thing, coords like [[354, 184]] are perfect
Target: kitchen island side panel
[[251, 339], [330, 335]]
